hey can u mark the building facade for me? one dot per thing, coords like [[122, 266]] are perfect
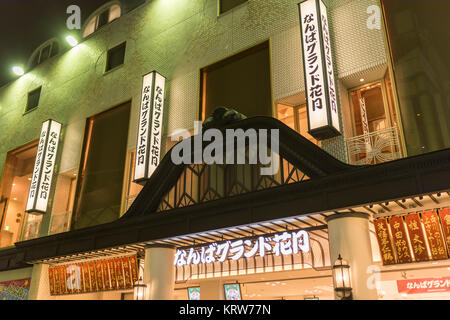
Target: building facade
[[375, 193]]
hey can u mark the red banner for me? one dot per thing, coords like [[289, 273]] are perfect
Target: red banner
[[101, 275], [51, 278], [106, 277], [119, 273], [99, 272], [81, 282], [55, 273], [400, 239], [428, 285], [384, 241], [416, 236], [134, 268], [127, 272], [434, 235], [444, 214], [93, 275], [112, 270], [86, 278], [63, 280]]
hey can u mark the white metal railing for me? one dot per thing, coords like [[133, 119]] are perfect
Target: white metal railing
[[376, 147]]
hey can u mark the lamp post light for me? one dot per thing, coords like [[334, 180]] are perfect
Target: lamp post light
[[341, 279], [139, 289]]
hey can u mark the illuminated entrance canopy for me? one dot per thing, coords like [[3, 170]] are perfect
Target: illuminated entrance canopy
[[286, 243], [318, 67]]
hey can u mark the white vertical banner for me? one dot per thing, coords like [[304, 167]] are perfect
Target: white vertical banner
[[320, 85], [148, 144], [42, 178], [329, 66]]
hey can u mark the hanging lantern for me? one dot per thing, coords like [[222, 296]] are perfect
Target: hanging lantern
[[341, 279]]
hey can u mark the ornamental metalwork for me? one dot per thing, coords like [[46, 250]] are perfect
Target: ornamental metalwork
[[200, 183], [375, 147]]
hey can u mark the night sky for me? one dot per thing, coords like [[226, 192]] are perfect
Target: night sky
[[26, 24]]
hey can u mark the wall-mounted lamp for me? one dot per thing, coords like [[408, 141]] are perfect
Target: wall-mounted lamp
[[139, 289], [18, 70], [341, 279], [72, 41]]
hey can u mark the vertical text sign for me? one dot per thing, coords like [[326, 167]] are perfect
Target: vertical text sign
[[321, 91], [148, 145], [44, 166]]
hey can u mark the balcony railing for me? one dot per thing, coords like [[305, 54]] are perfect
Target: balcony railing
[[376, 147]]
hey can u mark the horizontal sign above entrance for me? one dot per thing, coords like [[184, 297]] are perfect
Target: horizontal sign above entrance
[[285, 243]]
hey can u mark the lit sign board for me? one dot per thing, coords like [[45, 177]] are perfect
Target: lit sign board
[[148, 145], [41, 181], [427, 285], [320, 85], [285, 243]]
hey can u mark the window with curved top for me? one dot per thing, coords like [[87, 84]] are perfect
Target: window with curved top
[[44, 53], [103, 18]]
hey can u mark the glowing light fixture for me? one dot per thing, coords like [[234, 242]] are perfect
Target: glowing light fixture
[[18, 70], [341, 278], [72, 41], [139, 289]]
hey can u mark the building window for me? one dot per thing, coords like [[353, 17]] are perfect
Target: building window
[[417, 37], [132, 189], [241, 82], [14, 195], [116, 57], [33, 99], [376, 136], [63, 202], [372, 108], [227, 5], [296, 118], [103, 18], [44, 53], [101, 175]]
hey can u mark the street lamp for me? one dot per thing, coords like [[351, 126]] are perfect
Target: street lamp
[[341, 279], [139, 289]]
